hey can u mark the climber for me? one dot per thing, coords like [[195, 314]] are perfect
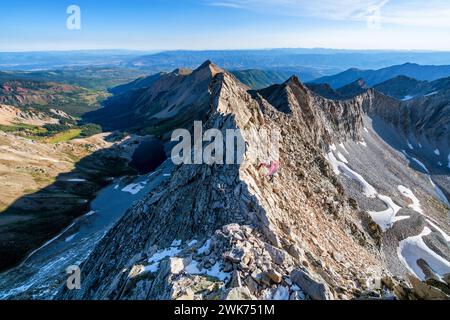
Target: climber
[[272, 168]]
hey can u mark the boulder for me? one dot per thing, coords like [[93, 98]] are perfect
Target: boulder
[[274, 276], [310, 284], [278, 256], [424, 291], [235, 255]]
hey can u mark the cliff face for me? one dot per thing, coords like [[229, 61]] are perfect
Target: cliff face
[[228, 231], [426, 117], [325, 120]]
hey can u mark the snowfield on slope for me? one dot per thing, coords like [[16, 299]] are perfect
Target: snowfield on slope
[[386, 218], [414, 248]]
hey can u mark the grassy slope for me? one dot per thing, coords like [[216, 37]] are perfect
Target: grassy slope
[[43, 135], [64, 136]]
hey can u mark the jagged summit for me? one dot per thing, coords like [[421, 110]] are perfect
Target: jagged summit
[[353, 89], [172, 101], [265, 231], [293, 80]]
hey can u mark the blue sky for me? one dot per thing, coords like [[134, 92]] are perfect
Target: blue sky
[[226, 24]]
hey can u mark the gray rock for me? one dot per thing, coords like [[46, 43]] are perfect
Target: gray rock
[[338, 256], [235, 280], [278, 256], [235, 255], [312, 285]]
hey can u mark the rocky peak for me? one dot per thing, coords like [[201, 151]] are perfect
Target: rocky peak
[[323, 90], [353, 89], [326, 120], [255, 236], [209, 68]]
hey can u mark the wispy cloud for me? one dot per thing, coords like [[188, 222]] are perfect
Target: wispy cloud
[[228, 4], [431, 13]]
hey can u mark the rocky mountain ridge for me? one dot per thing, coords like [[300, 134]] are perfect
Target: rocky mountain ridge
[[317, 230], [242, 236]]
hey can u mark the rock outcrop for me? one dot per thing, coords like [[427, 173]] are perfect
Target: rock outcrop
[[230, 232]]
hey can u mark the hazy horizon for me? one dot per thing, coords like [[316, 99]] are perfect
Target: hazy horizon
[[224, 25], [155, 51]]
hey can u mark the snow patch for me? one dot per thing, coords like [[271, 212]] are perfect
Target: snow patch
[[162, 254], [334, 162], [282, 293], [152, 268], [369, 191], [343, 148], [192, 268], [410, 145], [76, 180], [407, 97], [431, 93], [414, 248], [421, 164], [192, 243], [70, 238], [90, 213], [386, 218], [437, 152], [409, 194], [438, 190], [435, 226], [342, 158], [215, 271], [205, 247]]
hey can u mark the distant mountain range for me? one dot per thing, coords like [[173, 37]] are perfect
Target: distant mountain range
[[318, 62], [258, 79], [400, 87], [348, 91], [321, 59], [374, 77], [405, 88]]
